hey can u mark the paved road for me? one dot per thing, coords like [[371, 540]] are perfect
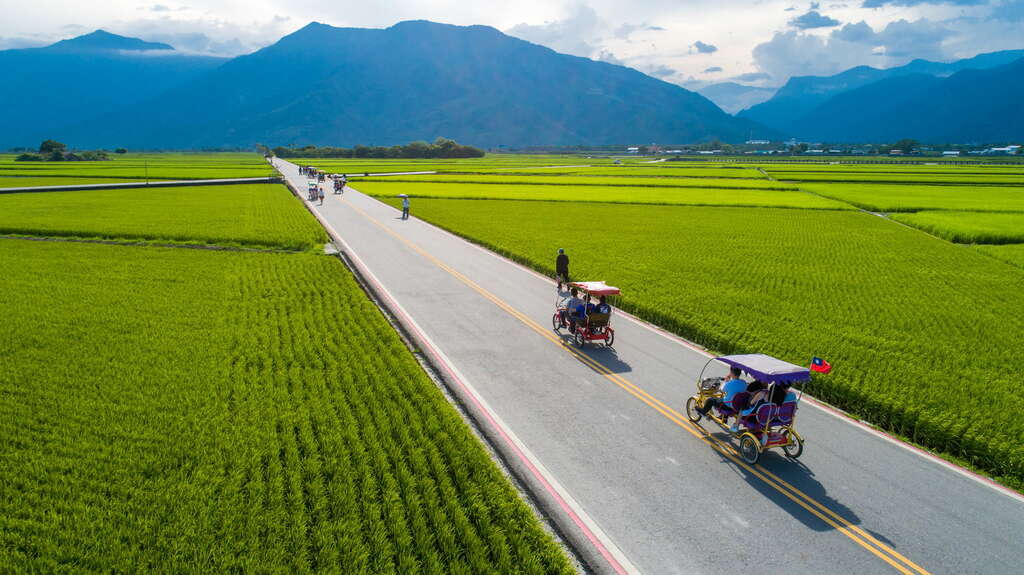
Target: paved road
[[602, 432]]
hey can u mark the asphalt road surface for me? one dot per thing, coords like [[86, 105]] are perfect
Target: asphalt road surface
[[604, 432]]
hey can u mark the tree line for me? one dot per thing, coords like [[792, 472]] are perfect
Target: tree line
[[441, 148], [54, 151]]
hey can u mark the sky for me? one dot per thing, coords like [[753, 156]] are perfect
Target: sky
[[688, 42]]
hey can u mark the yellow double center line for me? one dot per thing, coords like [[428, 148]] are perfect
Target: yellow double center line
[[819, 510]]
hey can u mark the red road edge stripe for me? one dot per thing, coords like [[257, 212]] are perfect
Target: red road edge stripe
[[487, 413]]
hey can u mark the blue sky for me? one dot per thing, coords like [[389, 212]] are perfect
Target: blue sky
[[688, 42]]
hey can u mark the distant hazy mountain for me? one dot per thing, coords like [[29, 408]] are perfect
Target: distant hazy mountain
[[969, 106], [103, 41], [802, 94], [44, 90], [733, 97], [415, 80]]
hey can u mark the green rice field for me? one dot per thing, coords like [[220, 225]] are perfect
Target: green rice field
[[33, 181], [250, 215], [185, 411], [606, 194], [887, 178], [138, 167], [586, 180], [912, 198], [969, 227], [624, 170], [1012, 254]]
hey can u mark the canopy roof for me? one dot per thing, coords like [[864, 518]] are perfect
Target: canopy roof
[[766, 368], [596, 288]]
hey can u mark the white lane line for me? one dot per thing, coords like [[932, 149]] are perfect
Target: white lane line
[[835, 412]]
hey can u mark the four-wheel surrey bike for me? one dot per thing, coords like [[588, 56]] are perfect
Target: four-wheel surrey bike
[[763, 424], [588, 323]]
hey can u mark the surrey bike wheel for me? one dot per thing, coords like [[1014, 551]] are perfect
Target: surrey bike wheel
[[794, 446], [691, 410], [556, 322], [611, 338], [750, 449], [579, 339]]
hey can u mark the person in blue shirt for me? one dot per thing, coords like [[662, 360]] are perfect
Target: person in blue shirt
[[603, 307], [733, 385], [572, 307]]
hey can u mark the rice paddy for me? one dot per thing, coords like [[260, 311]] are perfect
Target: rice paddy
[[251, 215]]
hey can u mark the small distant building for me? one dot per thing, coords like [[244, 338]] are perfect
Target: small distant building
[[951, 154], [1006, 151], [815, 152], [895, 152], [758, 142], [633, 149]]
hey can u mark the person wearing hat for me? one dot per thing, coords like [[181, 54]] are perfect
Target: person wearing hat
[[562, 268]]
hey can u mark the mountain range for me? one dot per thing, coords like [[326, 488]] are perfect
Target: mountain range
[[45, 90], [419, 80], [815, 107], [971, 106], [416, 80]]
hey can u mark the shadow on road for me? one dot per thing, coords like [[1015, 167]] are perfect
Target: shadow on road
[[598, 353], [801, 478]]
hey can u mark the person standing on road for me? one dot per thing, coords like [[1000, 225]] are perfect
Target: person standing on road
[[561, 268], [320, 194], [405, 208]]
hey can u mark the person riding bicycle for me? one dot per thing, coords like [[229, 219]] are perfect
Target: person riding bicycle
[[562, 268], [730, 388]]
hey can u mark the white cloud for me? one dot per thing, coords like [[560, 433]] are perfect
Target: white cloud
[[610, 58], [571, 35], [813, 19], [801, 54], [204, 35]]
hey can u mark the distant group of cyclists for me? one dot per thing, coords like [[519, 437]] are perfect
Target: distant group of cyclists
[[318, 177]]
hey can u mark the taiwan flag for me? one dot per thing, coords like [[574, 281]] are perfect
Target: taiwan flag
[[820, 365]]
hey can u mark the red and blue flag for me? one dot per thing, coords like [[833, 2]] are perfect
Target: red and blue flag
[[820, 365]]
